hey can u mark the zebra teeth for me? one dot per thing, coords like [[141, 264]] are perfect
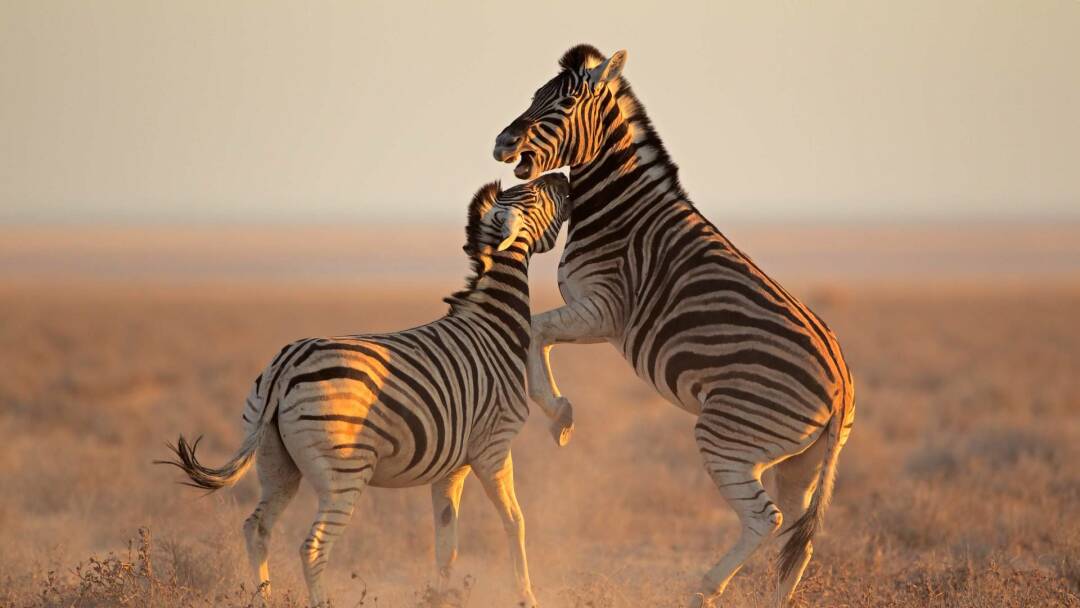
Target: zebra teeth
[[526, 167]]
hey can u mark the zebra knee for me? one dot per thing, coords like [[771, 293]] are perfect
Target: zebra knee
[[514, 522], [772, 518], [776, 517], [251, 525], [765, 522], [254, 531], [310, 551]]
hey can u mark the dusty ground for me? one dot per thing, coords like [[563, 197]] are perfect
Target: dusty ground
[[960, 485]]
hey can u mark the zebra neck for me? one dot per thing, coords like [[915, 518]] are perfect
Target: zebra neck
[[632, 170], [500, 286]]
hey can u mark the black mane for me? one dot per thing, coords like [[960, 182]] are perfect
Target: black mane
[[579, 57], [586, 55], [480, 204]]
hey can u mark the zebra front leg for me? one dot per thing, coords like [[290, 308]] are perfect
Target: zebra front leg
[[555, 406], [580, 322], [499, 486], [445, 498]]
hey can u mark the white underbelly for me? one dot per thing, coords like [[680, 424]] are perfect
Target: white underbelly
[[688, 404]]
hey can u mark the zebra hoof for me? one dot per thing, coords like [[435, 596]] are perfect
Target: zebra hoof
[[562, 434], [562, 428]]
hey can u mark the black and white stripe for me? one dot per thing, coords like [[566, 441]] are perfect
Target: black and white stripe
[[694, 316], [416, 407]]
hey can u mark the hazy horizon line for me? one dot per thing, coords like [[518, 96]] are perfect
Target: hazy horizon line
[[275, 221]]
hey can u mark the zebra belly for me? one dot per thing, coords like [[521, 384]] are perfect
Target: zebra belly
[[690, 406], [390, 474], [404, 469], [349, 437], [345, 449], [696, 378]]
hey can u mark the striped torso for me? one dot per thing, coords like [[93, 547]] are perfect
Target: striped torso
[[424, 401], [693, 315]]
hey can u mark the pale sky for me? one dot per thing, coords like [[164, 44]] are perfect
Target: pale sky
[[271, 111]]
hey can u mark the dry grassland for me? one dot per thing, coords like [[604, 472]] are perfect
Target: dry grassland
[[960, 486]]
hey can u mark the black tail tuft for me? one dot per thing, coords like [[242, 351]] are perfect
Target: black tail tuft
[[205, 477], [802, 532]]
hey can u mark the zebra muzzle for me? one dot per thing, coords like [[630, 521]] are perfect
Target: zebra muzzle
[[526, 167], [507, 145]]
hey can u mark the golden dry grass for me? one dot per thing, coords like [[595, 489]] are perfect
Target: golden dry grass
[[960, 486]]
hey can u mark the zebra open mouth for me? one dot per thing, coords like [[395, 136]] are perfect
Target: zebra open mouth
[[526, 167]]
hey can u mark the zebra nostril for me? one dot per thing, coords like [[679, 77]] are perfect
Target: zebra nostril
[[508, 140], [506, 145]]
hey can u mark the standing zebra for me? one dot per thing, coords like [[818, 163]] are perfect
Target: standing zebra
[[644, 270], [417, 407]]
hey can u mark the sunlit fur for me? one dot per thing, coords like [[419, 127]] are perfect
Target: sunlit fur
[[694, 316], [417, 407]]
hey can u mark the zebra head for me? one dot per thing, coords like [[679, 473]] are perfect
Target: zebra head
[[529, 214], [567, 121]]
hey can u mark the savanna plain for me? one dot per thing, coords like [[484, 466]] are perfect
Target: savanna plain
[[960, 486]]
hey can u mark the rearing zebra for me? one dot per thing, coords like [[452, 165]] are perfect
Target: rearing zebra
[[420, 406], [645, 271]]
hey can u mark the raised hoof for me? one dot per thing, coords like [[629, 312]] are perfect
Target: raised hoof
[[562, 427], [700, 601]]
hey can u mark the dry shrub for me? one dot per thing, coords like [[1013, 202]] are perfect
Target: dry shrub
[[168, 577], [134, 579], [199, 565]]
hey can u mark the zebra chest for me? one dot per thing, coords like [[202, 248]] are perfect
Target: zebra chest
[[578, 280], [570, 288]]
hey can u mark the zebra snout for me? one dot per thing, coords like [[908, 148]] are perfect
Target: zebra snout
[[508, 142]]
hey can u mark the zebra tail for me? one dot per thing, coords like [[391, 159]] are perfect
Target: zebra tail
[[209, 478], [804, 528]]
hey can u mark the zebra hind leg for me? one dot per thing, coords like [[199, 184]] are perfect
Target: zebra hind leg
[[338, 488], [279, 479], [739, 482]]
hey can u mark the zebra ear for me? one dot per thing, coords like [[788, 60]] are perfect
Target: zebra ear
[[513, 222], [608, 70]]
